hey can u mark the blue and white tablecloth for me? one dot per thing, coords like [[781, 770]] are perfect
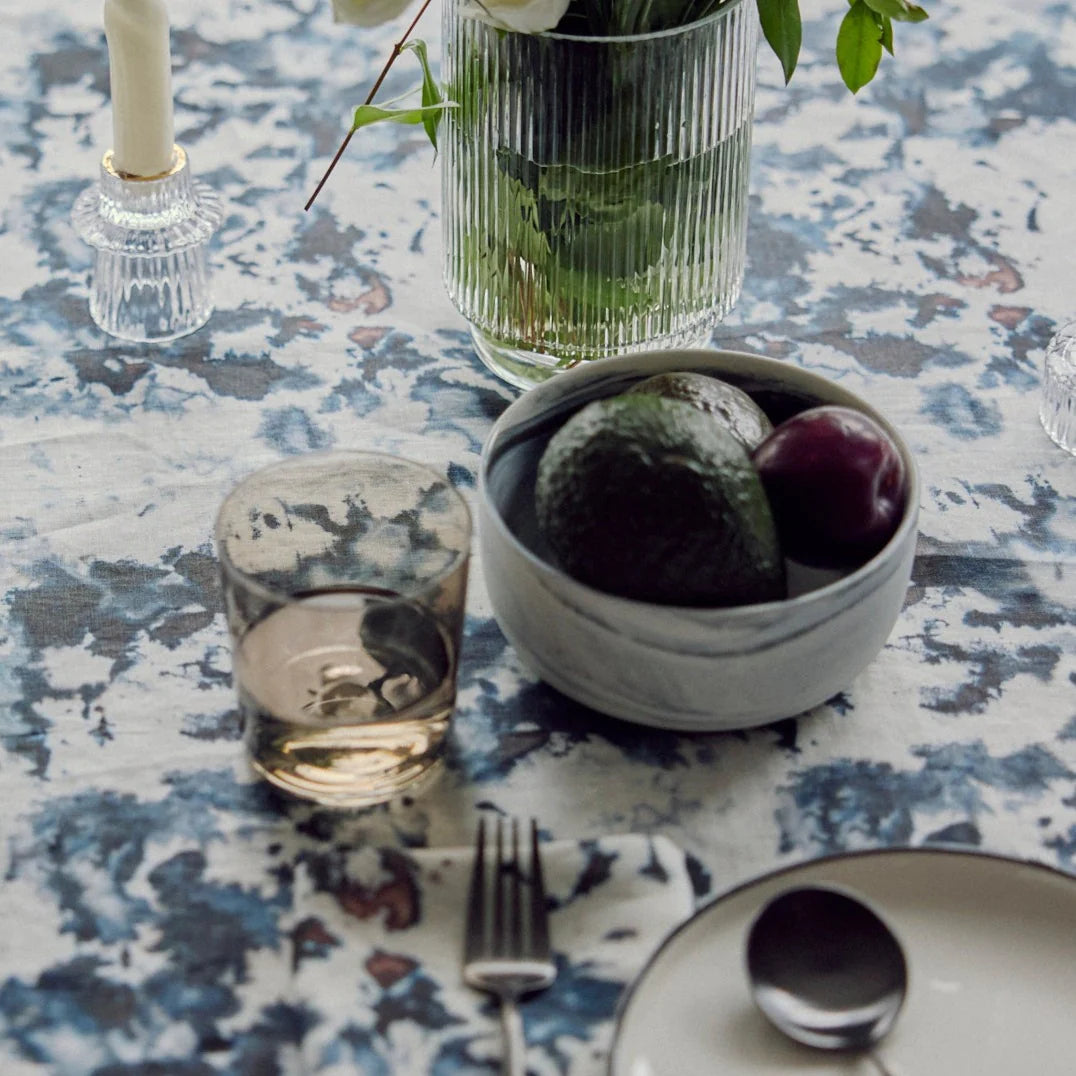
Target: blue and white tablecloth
[[160, 910]]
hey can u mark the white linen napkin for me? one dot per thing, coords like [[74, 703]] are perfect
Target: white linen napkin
[[378, 958]]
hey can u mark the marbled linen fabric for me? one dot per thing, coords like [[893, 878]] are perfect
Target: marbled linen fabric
[[914, 243], [316, 957]]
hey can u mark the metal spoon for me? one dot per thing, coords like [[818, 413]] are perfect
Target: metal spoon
[[826, 970]]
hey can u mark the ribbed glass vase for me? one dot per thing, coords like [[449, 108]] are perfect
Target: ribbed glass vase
[[595, 189]]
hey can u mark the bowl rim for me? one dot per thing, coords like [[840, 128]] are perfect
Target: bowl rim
[[574, 383]]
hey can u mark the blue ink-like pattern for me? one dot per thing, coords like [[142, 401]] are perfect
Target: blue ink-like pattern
[[163, 912]]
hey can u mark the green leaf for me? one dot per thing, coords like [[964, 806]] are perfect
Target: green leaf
[[901, 10], [887, 34], [431, 92], [781, 27], [859, 46], [367, 114], [428, 113]]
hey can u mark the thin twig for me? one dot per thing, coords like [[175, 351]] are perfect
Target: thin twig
[[397, 49]]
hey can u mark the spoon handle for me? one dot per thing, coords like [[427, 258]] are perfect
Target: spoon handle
[[879, 1064]]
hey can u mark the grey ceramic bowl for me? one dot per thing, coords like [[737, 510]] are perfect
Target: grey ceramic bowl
[[668, 666]]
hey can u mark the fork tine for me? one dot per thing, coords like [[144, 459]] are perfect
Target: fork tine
[[506, 903], [500, 927], [507, 951], [475, 939], [539, 923], [516, 927]]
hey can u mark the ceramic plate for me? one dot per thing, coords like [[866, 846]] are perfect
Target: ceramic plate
[[991, 947]]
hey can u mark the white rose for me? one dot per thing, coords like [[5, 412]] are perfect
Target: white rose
[[367, 12], [525, 16]]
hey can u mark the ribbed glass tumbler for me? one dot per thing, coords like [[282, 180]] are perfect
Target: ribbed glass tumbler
[[595, 189]]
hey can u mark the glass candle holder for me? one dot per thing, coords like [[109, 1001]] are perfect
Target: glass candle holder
[[594, 189], [344, 578], [1057, 410], [150, 279]]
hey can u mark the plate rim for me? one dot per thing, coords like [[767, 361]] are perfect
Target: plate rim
[[941, 851]]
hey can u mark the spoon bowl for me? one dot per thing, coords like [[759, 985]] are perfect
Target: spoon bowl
[[825, 969]]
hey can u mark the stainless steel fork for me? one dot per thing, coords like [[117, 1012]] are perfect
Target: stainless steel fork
[[507, 950]]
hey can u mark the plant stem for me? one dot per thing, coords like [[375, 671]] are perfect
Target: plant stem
[[396, 50]]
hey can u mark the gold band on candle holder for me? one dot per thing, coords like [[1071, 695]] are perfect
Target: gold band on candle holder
[[179, 162]]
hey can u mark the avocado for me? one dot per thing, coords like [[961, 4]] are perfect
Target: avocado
[[731, 406], [649, 498]]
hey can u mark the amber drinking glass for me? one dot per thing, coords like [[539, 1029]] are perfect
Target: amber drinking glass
[[344, 578]]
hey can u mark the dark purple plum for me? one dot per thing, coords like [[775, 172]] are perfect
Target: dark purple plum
[[836, 483]]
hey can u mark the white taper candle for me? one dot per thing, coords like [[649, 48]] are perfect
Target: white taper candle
[[140, 70]]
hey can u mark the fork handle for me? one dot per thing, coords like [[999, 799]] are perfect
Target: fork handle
[[514, 1057]]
